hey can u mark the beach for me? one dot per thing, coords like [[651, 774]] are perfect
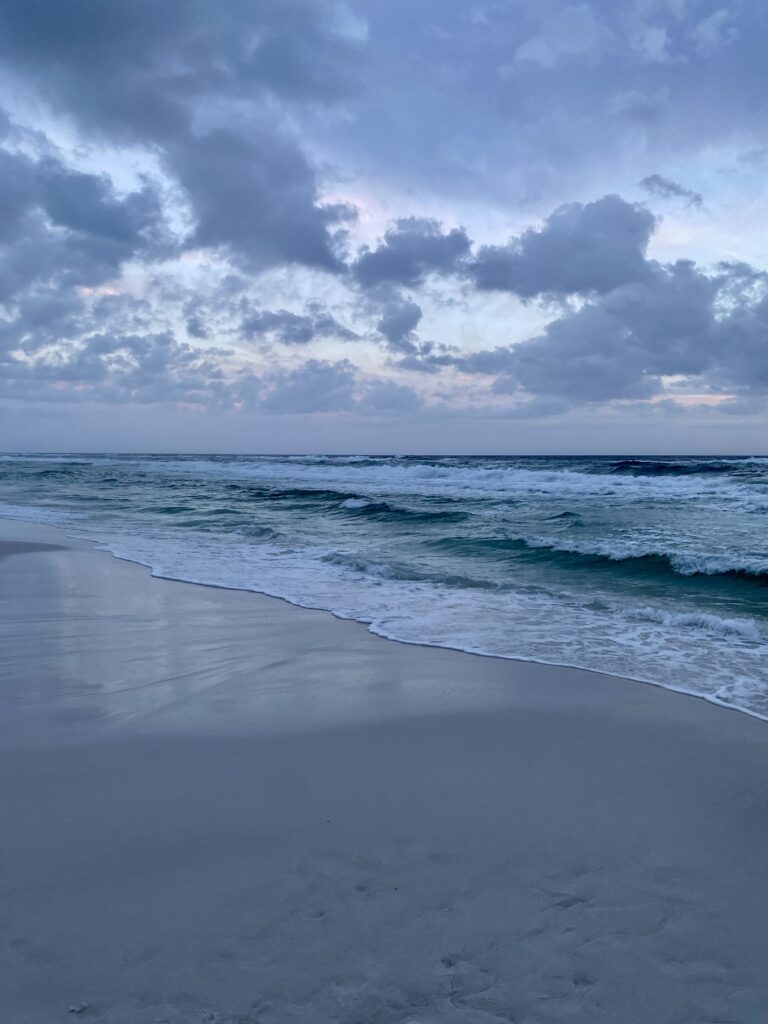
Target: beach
[[220, 807]]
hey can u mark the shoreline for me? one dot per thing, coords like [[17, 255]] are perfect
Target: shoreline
[[224, 808], [473, 652]]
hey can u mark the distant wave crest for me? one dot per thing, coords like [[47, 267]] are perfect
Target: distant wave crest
[[648, 467]]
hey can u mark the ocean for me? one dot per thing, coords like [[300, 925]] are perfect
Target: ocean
[[651, 568]]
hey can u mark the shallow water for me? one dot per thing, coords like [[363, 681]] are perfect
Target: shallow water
[[652, 568]]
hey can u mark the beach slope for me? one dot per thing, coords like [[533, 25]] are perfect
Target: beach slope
[[218, 807]]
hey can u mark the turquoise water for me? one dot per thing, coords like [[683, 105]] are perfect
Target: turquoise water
[[653, 568]]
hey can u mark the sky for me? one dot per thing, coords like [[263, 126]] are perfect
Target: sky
[[412, 226]]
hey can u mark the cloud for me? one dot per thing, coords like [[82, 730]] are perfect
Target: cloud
[[317, 386], [665, 188], [149, 368], [427, 357], [677, 322], [715, 31], [42, 317], [580, 249], [320, 386], [527, 104], [148, 52], [294, 328], [572, 32], [144, 75], [157, 369], [195, 327], [65, 227], [257, 197], [386, 397], [398, 322], [411, 249], [197, 91], [173, 176], [86, 204]]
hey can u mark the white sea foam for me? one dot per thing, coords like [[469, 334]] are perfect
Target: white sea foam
[[500, 482], [356, 503], [703, 622]]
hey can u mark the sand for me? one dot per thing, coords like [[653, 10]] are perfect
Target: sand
[[218, 807]]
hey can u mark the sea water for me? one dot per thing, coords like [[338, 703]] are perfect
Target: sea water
[[651, 568]]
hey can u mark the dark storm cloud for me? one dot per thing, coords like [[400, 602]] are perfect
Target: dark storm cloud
[[156, 75], [580, 248], [665, 188], [294, 328], [410, 250]]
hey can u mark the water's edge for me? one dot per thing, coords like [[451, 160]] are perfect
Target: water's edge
[[105, 548]]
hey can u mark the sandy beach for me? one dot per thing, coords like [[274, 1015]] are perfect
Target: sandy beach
[[218, 807]]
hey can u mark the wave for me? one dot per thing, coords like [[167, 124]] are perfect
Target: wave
[[727, 481], [348, 503], [403, 573], [47, 474], [64, 460], [167, 510], [256, 532], [627, 553], [705, 622], [647, 467], [319, 495], [679, 562], [497, 481], [385, 511]]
